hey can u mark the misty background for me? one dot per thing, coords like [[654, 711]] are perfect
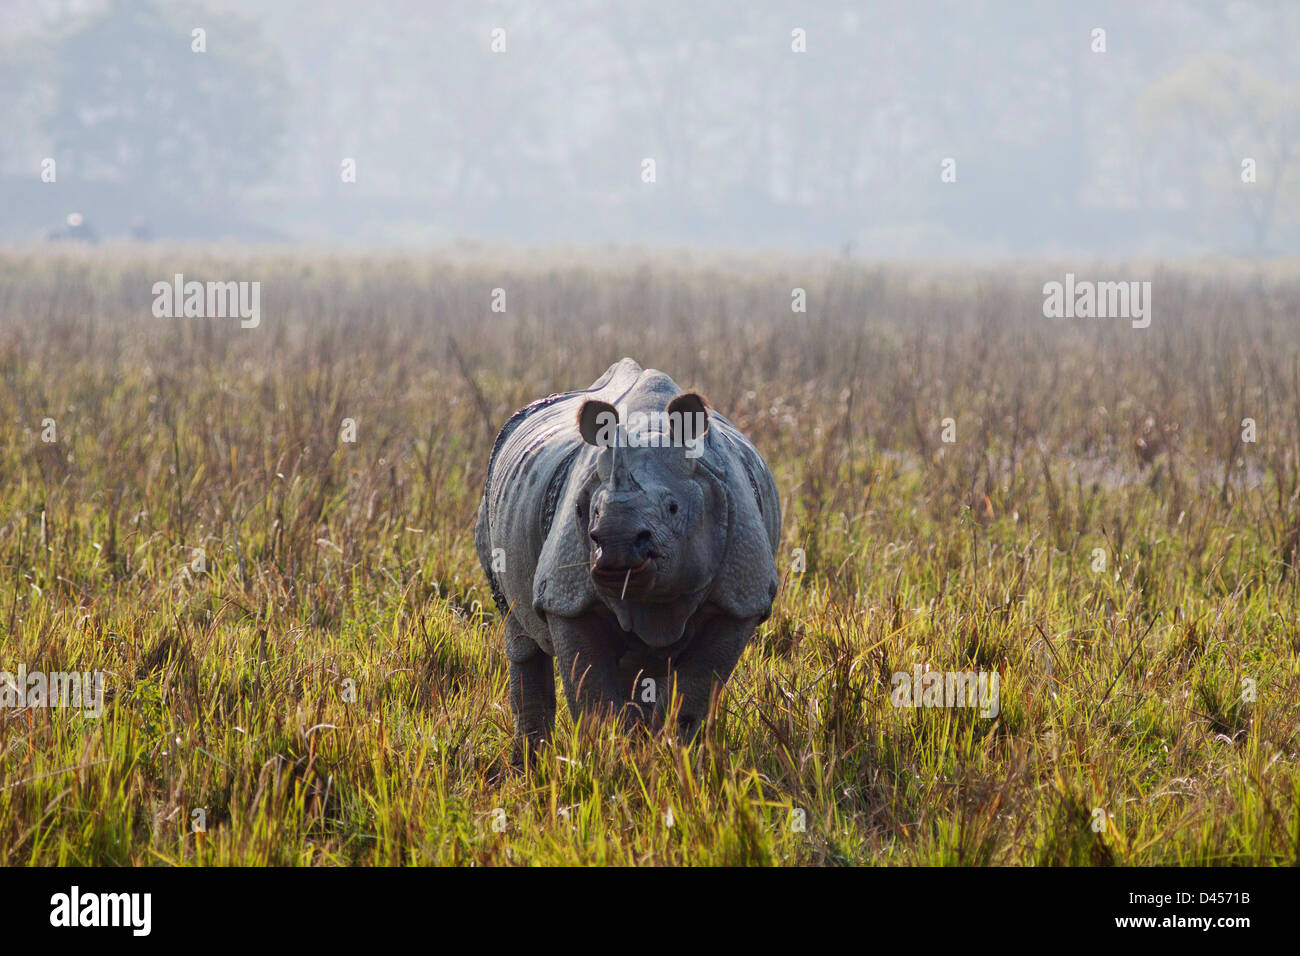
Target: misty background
[[1057, 148]]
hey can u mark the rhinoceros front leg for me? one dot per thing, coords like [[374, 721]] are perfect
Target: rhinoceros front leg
[[704, 665], [532, 700], [588, 653]]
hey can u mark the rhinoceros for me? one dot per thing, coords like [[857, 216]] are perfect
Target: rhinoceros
[[629, 531]]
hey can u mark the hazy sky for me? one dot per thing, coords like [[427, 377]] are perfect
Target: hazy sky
[[965, 129]]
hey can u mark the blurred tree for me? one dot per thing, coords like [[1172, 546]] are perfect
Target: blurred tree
[[1230, 116], [22, 98], [136, 104]]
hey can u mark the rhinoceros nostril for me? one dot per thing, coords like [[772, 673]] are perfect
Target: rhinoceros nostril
[[641, 547]]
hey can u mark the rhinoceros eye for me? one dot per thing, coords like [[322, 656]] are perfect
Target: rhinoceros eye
[[672, 507]]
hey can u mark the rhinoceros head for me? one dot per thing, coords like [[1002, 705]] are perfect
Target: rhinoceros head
[[653, 531], [664, 516]]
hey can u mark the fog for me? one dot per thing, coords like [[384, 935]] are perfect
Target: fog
[[926, 130]]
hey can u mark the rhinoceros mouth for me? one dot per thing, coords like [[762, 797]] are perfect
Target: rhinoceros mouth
[[621, 578], [616, 572]]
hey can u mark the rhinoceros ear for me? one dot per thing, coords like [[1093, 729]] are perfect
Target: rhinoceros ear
[[688, 418], [598, 422]]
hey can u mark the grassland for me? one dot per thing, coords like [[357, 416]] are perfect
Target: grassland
[[327, 684]]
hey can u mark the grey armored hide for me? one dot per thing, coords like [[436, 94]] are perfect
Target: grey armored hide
[[533, 544]]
